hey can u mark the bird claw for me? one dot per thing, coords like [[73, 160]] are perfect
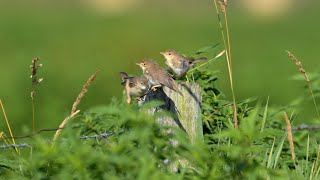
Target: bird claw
[[154, 88]]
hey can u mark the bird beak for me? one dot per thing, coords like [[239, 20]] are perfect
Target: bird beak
[[162, 53], [138, 64]]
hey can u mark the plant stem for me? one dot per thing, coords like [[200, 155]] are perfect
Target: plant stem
[[33, 116], [5, 117], [228, 56]]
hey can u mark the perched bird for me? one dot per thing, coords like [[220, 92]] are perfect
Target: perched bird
[[135, 87], [178, 63], [157, 76]]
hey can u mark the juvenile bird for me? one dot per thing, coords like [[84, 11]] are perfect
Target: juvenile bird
[[157, 76], [135, 87], [178, 63]]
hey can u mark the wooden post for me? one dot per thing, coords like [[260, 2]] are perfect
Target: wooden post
[[186, 108]]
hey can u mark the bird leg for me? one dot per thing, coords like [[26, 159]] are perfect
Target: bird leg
[[154, 88]]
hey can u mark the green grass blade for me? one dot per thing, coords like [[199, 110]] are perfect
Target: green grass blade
[[264, 115], [311, 172], [277, 154], [307, 155], [270, 154]]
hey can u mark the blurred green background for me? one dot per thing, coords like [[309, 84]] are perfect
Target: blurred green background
[[75, 38]]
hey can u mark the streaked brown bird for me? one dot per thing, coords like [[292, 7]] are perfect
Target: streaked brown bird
[[157, 76], [135, 87], [178, 63]]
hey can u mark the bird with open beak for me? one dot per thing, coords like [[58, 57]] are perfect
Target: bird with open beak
[[157, 76], [178, 63]]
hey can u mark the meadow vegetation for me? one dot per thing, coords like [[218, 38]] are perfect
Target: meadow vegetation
[[247, 139]]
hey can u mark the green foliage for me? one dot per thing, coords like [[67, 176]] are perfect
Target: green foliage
[[217, 113], [206, 49], [141, 149]]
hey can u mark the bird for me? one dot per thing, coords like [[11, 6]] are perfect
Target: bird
[[178, 63], [157, 76], [135, 87]]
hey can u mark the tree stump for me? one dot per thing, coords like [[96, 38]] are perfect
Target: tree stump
[[186, 109]]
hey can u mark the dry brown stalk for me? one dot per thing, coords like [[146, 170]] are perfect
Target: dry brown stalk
[[290, 137], [8, 125], [83, 91], [223, 4], [74, 110], [63, 124]]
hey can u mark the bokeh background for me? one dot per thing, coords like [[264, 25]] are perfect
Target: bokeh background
[[75, 38]]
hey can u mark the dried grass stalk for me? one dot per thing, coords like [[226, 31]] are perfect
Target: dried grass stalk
[[63, 124], [299, 65], [74, 112], [304, 74], [223, 5], [8, 125], [290, 137], [83, 91]]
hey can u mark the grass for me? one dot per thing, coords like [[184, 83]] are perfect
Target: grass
[[142, 149], [253, 146], [35, 84], [74, 108], [304, 74], [290, 138], [9, 128], [227, 47]]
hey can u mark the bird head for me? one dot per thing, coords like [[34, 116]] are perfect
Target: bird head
[[142, 83], [169, 54], [146, 64]]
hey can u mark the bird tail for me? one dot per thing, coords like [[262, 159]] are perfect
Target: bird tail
[[124, 76], [198, 60]]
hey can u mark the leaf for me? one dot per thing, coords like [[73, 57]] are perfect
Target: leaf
[[206, 49], [270, 154], [265, 115], [278, 151]]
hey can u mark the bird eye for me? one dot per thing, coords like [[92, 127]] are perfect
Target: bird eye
[[144, 64], [169, 54]]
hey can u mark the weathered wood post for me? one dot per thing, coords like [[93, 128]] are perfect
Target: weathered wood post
[[187, 114], [186, 108]]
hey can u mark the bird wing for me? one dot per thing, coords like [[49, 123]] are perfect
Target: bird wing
[[168, 81], [164, 78]]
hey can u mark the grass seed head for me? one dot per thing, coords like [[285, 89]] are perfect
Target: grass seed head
[[299, 65], [223, 5]]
